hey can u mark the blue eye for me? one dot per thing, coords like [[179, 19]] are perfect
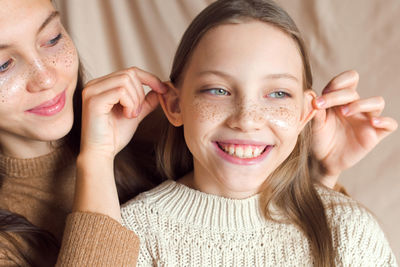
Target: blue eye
[[5, 66], [279, 94], [55, 40], [218, 91]]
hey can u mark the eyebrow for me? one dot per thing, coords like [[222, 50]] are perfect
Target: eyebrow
[[52, 16], [282, 76], [272, 76]]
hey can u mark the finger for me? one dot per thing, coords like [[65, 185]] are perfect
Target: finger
[[138, 92], [385, 124], [104, 103], [124, 79], [145, 77], [105, 77], [373, 107], [347, 79], [336, 98], [149, 104], [111, 82], [150, 80]]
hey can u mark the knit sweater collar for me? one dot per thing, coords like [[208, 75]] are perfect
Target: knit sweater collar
[[38, 166], [193, 207]]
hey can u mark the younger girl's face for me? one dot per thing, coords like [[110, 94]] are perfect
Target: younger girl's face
[[242, 106], [38, 73]]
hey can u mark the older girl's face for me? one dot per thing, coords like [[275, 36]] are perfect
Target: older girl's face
[[38, 73], [242, 106]]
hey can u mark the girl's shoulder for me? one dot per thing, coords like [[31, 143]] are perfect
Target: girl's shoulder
[[139, 210], [342, 210], [356, 232], [151, 196], [339, 206]]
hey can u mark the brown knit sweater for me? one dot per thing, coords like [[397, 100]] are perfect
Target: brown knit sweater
[[41, 189]]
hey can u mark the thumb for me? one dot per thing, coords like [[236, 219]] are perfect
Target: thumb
[[150, 103]]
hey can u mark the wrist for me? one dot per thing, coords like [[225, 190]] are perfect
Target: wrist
[[95, 189], [94, 158]]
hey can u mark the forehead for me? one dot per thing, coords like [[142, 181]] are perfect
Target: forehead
[[250, 47], [20, 17]]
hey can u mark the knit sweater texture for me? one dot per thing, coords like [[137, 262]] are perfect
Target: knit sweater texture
[[41, 189], [179, 226]]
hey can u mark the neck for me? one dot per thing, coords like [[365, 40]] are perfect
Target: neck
[[23, 148], [210, 185]]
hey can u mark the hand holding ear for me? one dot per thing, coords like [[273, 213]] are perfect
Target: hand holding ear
[[113, 106], [346, 128]]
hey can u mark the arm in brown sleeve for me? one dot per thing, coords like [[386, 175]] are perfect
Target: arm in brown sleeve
[[13, 249], [92, 239]]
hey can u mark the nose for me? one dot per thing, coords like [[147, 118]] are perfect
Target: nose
[[42, 76], [246, 117]]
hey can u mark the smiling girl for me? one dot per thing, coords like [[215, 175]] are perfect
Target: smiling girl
[[235, 151], [40, 110]]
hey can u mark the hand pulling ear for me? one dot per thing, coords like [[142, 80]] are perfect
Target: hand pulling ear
[[170, 105]]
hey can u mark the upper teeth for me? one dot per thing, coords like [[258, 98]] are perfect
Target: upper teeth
[[242, 151]]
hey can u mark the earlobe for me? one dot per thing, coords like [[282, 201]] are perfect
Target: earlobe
[[308, 109], [170, 105]]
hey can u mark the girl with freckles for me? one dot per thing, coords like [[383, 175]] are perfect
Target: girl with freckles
[[40, 114], [40, 110], [235, 151]]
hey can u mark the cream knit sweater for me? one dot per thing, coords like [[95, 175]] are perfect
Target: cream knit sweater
[[179, 226]]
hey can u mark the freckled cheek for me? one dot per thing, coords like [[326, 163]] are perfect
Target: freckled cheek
[[207, 111], [65, 57], [10, 89], [284, 118]]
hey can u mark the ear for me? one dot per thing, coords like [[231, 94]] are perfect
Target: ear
[[170, 105], [308, 109]]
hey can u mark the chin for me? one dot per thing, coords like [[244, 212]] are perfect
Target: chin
[[54, 131]]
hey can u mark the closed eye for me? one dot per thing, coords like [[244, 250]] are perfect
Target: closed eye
[[54, 41], [5, 66]]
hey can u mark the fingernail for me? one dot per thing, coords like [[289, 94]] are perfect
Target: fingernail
[[320, 101], [376, 121], [345, 110]]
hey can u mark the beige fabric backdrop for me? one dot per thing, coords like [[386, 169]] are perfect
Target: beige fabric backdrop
[[358, 34]]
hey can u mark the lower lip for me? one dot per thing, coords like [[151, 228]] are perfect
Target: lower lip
[[51, 109], [242, 161]]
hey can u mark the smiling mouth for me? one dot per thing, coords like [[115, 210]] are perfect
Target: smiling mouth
[[242, 151]]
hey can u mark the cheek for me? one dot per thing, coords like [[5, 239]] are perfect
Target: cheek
[[10, 88], [65, 57], [283, 117], [207, 111]]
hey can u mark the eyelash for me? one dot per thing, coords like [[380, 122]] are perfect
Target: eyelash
[[278, 92], [55, 40], [4, 67], [214, 91]]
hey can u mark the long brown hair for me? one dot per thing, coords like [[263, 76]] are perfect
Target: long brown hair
[[39, 240], [289, 187]]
